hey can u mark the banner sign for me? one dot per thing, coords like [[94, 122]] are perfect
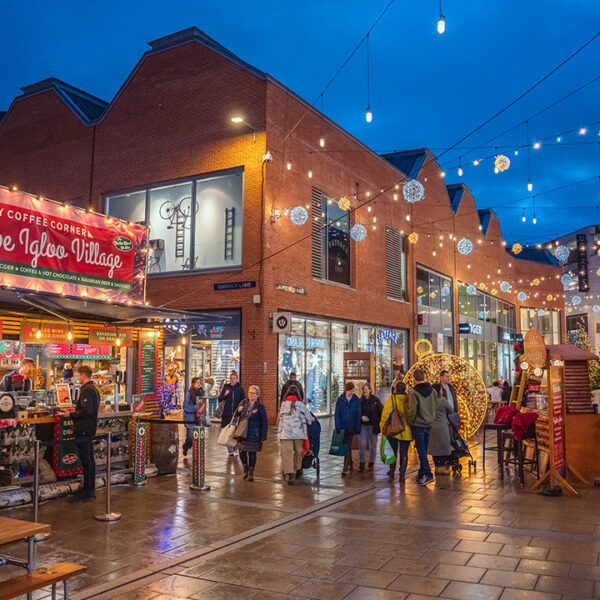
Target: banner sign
[[76, 351], [36, 332], [139, 467], [556, 419], [65, 456], [109, 335], [48, 247], [137, 403]]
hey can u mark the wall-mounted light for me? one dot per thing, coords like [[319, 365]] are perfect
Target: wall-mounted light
[[240, 119]]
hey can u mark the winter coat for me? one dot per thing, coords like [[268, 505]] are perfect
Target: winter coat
[[7, 383], [442, 393], [258, 426], [399, 401], [190, 404], [348, 414], [371, 408], [439, 437], [286, 386], [231, 401], [294, 419], [422, 405], [85, 416]]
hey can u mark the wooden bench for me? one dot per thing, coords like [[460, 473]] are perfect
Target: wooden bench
[[26, 584]]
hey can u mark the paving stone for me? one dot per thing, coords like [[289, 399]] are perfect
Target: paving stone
[[478, 547], [585, 572], [323, 590], [367, 593], [524, 581], [408, 566], [458, 590], [564, 585], [544, 567], [489, 561], [179, 585], [511, 594], [457, 573], [224, 591], [524, 551], [368, 578], [447, 557], [419, 585]]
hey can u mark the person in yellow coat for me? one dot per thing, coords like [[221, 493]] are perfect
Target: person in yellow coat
[[401, 441]]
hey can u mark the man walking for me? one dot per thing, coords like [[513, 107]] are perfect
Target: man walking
[[422, 404], [85, 420], [286, 386]]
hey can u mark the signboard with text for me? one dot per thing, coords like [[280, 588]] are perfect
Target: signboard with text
[[109, 335], [147, 364], [76, 351], [556, 419], [48, 247], [36, 332]]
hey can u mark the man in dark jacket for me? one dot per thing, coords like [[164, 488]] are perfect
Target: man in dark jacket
[[286, 386], [446, 390], [348, 416], [19, 380], [231, 396], [422, 405], [85, 420]]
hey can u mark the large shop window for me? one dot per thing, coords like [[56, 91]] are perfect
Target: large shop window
[[395, 264], [331, 240], [194, 225], [548, 323], [435, 306], [314, 350]]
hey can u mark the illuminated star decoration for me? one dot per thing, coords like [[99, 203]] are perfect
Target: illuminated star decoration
[[482, 286], [576, 300], [517, 248], [299, 215], [413, 238], [561, 253], [413, 191], [521, 296], [549, 297], [471, 290], [344, 203], [464, 246], [358, 232], [566, 279], [494, 292], [502, 162], [505, 286], [536, 281]]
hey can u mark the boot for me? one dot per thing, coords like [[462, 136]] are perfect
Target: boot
[[291, 479], [402, 471], [350, 463], [345, 467], [250, 474], [391, 472], [370, 467], [361, 467], [245, 471]]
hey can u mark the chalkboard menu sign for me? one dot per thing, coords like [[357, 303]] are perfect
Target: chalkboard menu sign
[[147, 364]]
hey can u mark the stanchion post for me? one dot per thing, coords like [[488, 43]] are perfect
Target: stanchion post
[[40, 537], [198, 482], [108, 515]]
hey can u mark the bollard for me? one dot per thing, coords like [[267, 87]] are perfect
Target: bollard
[[108, 516], [40, 537], [198, 483]]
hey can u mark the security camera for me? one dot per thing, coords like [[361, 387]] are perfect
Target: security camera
[[268, 157]]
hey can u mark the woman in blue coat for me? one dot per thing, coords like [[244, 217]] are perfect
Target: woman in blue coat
[[190, 404], [253, 410], [348, 416]]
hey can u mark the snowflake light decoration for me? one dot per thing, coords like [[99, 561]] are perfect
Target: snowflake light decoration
[[536, 281], [413, 191], [549, 297], [420, 289], [358, 232], [540, 312], [502, 162], [445, 290], [465, 246], [521, 296], [471, 290], [482, 286], [596, 308], [517, 248], [299, 215], [505, 286], [567, 279], [413, 238], [561, 253], [576, 300], [344, 203]]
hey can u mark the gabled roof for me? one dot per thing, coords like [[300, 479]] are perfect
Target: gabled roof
[[455, 193], [409, 162], [538, 255], [87, 107], [485, 218]]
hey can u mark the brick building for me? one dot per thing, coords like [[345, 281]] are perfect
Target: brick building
[[217, 196]]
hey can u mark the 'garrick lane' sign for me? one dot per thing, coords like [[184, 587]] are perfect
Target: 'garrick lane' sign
[[48, 247]]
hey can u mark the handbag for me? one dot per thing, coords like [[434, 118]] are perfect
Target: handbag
[[395, 423], [338, 446], [241, 430], [226, 436]]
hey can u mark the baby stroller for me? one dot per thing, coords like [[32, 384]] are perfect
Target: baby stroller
[[460, 447], [311, 459]]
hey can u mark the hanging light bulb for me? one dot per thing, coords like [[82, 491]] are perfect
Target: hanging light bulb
[[441, 24], [178, 348], [183, 340], [558, 139], [368, 115], [310, 173], [534, 219], [516, 153], [529, 186], [537, 145], [69, 335], [322, 142], [460, 169], [496, 170], [289, 165], [476, 162], [523, 218], [118, 342], [582, 131], [38, 333]]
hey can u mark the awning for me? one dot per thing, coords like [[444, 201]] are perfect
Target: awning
[[69, 309], [569, 352]]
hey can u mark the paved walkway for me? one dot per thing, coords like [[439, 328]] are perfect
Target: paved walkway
[[359, 538]]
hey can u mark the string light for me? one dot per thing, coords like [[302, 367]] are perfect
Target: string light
[[460, 169], [289, 165], [529, 186], [441, 24], [582, 131], [368, 113], [322, 142], [523, 218]]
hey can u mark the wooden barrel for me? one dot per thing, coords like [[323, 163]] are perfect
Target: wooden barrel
[[164, 443]]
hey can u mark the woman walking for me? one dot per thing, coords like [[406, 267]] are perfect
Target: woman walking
[[190, 410], [231, 396], [253, 410], [348, 417], [439, 438], [294, 418], [371, 409], [399, 442]]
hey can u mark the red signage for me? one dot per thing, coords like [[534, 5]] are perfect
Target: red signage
[[78, 351], [37, 332], [556, 419], [45, 246]]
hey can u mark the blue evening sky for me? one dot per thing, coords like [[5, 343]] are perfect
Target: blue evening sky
[[426, 89]]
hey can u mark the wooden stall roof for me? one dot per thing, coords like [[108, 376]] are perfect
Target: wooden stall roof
[[570, 352]]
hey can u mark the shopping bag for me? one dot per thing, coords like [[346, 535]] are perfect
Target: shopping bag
[[226, 436], [219, 410], [241, 430], [386, 452], [338, 446]]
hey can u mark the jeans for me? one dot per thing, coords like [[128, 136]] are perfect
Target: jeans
[[248, 458], [421, 435], [367, 437], [400, 447], [189, 439], [86, 455]]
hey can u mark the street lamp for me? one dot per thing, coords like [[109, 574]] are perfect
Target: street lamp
[[238, 119]]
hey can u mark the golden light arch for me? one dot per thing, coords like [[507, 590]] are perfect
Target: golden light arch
[[470, 388]]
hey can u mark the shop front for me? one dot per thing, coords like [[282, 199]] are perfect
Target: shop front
[[314, 350], [547, 322]]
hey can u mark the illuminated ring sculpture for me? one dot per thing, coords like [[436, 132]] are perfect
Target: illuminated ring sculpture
[[470, 388]]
